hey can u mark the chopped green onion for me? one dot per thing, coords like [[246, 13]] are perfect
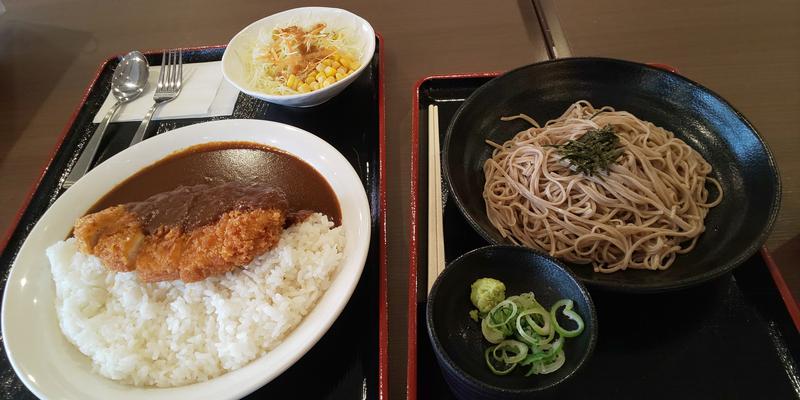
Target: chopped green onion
[[545, 353], [536, 357], [555, 364], [555, 346], [502, 371], [525, 301], [567, 303], [493, 335], [546, 367], [519, 349], [533, 327], [502, 313], [527, 336], [543, 329]]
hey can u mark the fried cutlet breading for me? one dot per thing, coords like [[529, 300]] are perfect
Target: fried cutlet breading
[[215, 249], [119, 238], [114, 235]]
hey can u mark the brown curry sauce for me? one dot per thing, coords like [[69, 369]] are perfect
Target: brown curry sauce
[[222, 162]]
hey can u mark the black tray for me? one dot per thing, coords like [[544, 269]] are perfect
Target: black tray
[[349, 361], [732, 338]]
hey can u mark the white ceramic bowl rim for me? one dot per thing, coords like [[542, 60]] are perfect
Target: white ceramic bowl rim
[[52, 368]]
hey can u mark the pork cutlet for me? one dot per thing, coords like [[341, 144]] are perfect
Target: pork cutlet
[[189, 233]]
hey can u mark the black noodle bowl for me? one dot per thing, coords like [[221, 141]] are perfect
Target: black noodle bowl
[[741, 161]]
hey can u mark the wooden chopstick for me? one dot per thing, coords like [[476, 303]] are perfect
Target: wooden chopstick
[[433, 270], [439, 203], [435, 231]]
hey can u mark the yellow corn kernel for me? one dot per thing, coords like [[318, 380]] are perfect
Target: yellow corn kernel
[[320, 67], [314, 85], [330, 71], [320, 77], [336, 56], [336, 65], [304, 88], [341, 70], [329, 80], [340, 76], [326, 61], [292, 81], [310, 78]]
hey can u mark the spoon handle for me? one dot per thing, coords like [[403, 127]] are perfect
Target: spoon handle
[[85, 160]]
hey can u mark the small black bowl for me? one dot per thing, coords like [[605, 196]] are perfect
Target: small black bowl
[[458, 342]]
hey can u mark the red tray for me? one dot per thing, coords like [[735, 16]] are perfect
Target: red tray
[[351, 360], [715, 368]]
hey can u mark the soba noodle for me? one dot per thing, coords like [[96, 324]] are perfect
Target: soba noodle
[[646, 209]]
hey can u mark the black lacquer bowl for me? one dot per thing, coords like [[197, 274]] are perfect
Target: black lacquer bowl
[[458, 342], [741, 161]]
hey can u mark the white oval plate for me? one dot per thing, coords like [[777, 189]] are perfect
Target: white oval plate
[[51, 367]]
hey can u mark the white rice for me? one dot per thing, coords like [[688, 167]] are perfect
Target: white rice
[[172, 333]]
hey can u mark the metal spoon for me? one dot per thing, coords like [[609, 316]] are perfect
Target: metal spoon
[[128, 82]]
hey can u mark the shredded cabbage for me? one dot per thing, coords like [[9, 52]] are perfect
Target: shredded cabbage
[[277, 53]]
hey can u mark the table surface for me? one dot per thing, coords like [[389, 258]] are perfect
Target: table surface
[[748, 52]]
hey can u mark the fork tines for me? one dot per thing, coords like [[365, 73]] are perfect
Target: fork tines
[[171, 76]]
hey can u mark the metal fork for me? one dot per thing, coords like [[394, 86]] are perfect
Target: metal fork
[[169, 86]]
